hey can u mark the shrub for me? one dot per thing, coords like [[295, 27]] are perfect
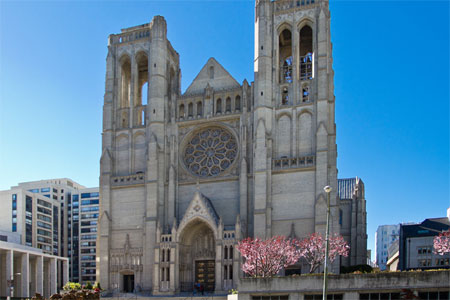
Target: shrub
[[357, 268], [72, 286], [97, 286], [88, 285]]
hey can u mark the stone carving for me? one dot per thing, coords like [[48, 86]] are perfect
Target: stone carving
[[210, 152], [126, 258]]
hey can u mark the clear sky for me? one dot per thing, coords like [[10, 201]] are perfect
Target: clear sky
[[391, 62]]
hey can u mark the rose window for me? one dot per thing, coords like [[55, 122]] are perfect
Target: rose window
[[210, 152]]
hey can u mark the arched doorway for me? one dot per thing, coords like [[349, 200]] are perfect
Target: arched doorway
[[197, 256], [127, 281]]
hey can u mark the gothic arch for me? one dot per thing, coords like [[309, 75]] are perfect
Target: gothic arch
[[184, 231], [283, 136], [305, 132], [283, 26], [303, 22]]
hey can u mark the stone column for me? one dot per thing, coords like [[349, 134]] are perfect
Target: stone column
[[9, 270], [39, 280], [53, 270], [25, 277], [65, 272]]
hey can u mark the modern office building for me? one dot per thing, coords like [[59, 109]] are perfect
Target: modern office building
[[416, 245], [46, 214], [384, 237], [84, 215], [35, 217]]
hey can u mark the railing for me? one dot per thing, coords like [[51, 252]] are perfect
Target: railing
[[128, 179], [288, 4], [130, 36], [294, 162]]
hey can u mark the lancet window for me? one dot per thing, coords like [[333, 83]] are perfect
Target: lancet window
[[285, 56], [306, 53]]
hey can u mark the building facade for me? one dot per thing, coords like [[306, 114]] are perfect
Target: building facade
[[58, 216], [25, 271], [416, 250], [384, 237], [184, 176]]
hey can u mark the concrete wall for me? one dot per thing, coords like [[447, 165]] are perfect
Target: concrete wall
[[354, 283]]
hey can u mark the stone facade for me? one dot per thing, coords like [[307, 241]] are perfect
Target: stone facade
[[183, 177]]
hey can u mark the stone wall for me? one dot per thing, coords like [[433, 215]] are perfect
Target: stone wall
[[349, 284]]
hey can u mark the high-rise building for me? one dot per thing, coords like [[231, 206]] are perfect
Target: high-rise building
[[84, 215], [34, 216], [58, 216], [384, 237], [184, 176]]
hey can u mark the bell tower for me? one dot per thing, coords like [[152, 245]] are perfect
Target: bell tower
[[142, 81], [295, 132]]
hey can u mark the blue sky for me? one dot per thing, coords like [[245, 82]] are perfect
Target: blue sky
[[391, 62]]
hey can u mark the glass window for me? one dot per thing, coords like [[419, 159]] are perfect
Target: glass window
[[45, 190]]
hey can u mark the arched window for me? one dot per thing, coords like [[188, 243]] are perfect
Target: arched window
[[168, 255], [228, 105], [231, 252], [163, 252], [285, 55], [125, 82], [219, 106], [181, 111], [306, 53], [237, 103], [190, 110], [225, 252], [211, 72], [199, 108]]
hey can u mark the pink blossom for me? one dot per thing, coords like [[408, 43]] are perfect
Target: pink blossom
[[266, 258], [313, 249], [441, 243]]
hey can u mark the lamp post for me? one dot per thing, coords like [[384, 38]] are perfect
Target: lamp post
[[327, 190]]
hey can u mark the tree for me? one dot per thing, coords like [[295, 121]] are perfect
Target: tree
[[313, 249], [267, 258], [441, 243]]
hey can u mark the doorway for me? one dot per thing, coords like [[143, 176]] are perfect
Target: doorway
[[205, 274], [128, 283]]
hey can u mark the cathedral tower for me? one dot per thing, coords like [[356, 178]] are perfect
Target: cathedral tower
[[295, 139], [142, 78]]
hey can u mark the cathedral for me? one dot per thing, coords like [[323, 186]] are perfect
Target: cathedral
[[185, 176]]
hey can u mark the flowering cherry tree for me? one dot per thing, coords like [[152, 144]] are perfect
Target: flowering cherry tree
[[313, 249], [441, 243], [266, 258]]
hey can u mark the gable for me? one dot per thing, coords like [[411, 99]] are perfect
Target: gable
[[200, 207], [213, 74]]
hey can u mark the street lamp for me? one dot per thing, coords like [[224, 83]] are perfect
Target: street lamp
[[327, 190], [11, 285]]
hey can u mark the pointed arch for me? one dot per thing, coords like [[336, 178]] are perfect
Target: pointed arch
[[125, 80], [283, 136], [305, 133]]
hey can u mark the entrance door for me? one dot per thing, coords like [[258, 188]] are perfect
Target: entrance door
[[128, 283], [204, 274]]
